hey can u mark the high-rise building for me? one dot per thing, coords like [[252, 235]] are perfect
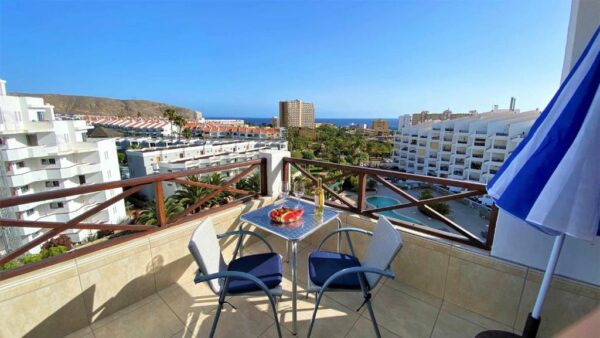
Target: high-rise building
[[471, 148], [380, 125], [40, 153], [404, 121], [296, 113]]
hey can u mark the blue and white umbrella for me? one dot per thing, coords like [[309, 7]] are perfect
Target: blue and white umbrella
[[552, 180]]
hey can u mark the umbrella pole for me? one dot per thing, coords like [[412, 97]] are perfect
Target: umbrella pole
[[533, 321]]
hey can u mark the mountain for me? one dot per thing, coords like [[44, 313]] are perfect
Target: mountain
[[90, 105]]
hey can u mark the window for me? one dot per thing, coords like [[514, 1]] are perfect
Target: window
[[106, 155], [81, 179], [51, 184], [40, 115], [31, 140], [20, 164], [24, 188], [56, 205], [84, 137], [29, 212], [47, 161], [108, 173]]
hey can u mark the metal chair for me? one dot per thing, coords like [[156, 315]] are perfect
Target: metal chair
[[243, 276], [334, 271]]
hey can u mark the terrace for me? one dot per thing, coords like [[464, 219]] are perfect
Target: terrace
[[141, 285]]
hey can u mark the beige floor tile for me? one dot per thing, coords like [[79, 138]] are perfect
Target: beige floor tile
[[473, 317], [364, 329], [86, 332], [449, 326], [243, 322], [153, 319], [271, 332], [404, 315], [419, 294], [189, 301]]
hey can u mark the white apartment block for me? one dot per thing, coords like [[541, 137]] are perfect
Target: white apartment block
[[472, 148], [38, 154], [143, 162], [133, 126]]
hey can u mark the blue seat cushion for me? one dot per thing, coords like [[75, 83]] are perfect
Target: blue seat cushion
[[323, 264], [266, 267]]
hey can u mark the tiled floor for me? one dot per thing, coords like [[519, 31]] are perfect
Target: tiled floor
[[187, 310]]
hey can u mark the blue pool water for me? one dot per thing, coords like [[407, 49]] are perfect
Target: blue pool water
[[380, 202]]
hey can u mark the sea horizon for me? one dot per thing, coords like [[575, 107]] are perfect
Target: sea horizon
[[339, 122]]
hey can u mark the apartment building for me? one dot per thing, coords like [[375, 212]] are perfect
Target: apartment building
[[133, 126], [143, 162], [210, 130], [297, 114], [380, 125], [39, 153], [472, 148], [426, 116]]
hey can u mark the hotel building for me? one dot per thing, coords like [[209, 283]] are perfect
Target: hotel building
[[143, 162], [296, 114], [471, 148], [38, 154]]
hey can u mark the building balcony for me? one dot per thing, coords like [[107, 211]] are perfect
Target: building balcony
[[141, 284]]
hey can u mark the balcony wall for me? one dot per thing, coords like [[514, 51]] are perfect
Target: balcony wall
[[69, 296]]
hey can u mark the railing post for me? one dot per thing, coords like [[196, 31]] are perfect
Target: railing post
[[286, 171], [263, 177], [159, 197], [489, 239], [362, 190]]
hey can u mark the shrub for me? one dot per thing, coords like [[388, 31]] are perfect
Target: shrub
[[441, 207], [62, 240]]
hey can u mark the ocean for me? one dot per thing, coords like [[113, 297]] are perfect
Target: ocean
[[393, 123]]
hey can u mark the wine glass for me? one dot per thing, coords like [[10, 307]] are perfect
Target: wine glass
[[298, 191], [285, 191]]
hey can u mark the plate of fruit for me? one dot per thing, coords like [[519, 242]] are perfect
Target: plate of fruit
[[285, 215]]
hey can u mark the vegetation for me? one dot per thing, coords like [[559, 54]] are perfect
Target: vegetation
[[441, 207], [32, 258], [149, 216], [336, 145]]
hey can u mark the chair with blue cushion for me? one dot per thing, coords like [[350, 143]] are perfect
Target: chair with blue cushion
[[334, 271], [243, 276]]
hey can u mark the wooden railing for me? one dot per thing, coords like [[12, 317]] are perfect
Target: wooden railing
[[359, 205], [130, 187]]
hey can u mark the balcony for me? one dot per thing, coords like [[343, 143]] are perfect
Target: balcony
[[140, 285]]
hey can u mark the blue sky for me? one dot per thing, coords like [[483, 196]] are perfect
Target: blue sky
[[239, 58]]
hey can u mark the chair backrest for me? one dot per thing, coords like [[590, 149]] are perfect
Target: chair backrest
[[206, 250], [384, 246]]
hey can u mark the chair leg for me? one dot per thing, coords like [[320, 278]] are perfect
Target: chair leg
[[274, 305], [314, 316], [216, 320], [373, 320]]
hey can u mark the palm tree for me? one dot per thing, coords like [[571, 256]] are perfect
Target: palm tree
[[149, 216], [187, 133], [180, 122], [170, 115], [251, 183], [218, 180], [190, 194]]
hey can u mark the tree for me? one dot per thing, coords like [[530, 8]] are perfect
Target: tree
[[122, 158], [441, 207], [297, 154], [190, 194], [371, 184], [251, 183], [149, 216], [187, 133], [308, 154], [170, 114], [180, 122]]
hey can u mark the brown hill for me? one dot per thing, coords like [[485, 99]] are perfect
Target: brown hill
[[90, 105]]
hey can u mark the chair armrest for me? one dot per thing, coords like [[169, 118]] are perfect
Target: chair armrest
[[235, 274], [245, 232], [357, 270], [346, 230]]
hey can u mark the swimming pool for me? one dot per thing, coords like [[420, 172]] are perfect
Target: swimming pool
[[380, 202]]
